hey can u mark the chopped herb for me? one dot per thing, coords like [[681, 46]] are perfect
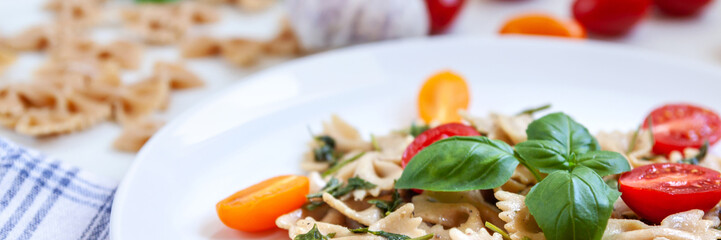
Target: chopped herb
[[341, 164], [390, 236], [374, 143], [334, 188], [490, 225], [388, 206], [325, 152], [416, 130], [525, 238], [699, 157], [531, 111], [314, 234]]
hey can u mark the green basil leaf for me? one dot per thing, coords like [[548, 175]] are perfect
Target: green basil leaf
[[562, 129], [572, 205], [545, 155], [604, 163], [460, 164]]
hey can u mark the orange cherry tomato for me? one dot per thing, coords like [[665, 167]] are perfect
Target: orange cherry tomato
[[543, 24], [442, 96], [255, 208]]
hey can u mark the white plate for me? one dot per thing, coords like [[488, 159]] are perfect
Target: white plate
[[258, 128]]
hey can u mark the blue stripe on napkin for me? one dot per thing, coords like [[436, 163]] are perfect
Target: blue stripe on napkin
[[42, 198]]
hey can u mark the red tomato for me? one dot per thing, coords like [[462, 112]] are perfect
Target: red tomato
[[434, 134], [442, 13], [680, 126], [610, 17], [681, 7], [657, 190]]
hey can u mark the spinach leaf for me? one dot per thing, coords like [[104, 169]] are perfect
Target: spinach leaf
[[531, 111], [314, 234], [416, 130], [460, 164], [604, 163], [545, 155], [388, 206], [572, 205], [390, 236], [562, 129], [699, 157]]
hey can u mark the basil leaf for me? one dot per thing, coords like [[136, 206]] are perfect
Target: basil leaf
[[562, 129], [572, 205], [460, 164], [604, 163], [314, 234], [544, 155]]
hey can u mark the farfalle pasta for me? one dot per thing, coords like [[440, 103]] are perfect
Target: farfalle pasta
[[469, 214]]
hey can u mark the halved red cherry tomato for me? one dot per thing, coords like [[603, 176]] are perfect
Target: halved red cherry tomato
[[442, 13], [610, 17], [680, 126], [657, 190], [434, 134], [681, 8]]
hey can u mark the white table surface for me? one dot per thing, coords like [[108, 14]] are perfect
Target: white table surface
[[697, 38]]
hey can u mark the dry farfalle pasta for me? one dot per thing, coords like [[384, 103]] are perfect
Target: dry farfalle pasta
[[242, 52], [7, 57], [32, 39], [197, 47], [140, 99], [177, 75], [245, 5], [136, 134], [45, 110], [167, 23], [81, 13]]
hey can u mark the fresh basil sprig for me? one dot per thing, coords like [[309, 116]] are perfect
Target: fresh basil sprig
[[572, 202], [458, 164]]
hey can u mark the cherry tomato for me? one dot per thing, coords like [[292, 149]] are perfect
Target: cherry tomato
[[680, 126], [255, 208], [442, 13], [542, 24], [434, 134], [681, 8], [657, 190], [610, 17], [441, 96]]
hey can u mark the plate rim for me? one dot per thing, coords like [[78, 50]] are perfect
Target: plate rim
[[621, 50]]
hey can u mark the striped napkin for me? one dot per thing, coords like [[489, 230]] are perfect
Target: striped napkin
[[42, 198]]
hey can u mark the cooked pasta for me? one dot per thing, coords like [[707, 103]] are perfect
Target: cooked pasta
[[467, 214]]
